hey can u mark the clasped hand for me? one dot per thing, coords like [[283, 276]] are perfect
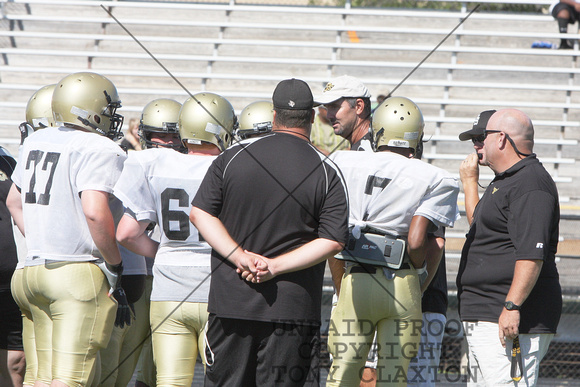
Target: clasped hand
[[254, 267]]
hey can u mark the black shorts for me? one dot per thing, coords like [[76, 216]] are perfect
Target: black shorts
[[257, 353], [574, 15], [10, 323]]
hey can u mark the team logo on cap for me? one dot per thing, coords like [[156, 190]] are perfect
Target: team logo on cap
[[3, 176], [291, 103], [328, 87], [477, 119]]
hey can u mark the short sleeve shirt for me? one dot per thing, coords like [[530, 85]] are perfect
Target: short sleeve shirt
[[273, 194], [386, 190], [157, 185], [55, 166], [516, 218]]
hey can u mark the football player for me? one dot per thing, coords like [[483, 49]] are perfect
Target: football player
[[159, 187], [394, 202], [60, 201], [38, 116], [157, 128], [255, 119], [38, 112]]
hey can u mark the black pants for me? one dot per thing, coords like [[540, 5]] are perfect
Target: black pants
[[10, 322], [256, 353]]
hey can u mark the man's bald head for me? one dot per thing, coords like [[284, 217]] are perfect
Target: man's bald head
[[517, 125]]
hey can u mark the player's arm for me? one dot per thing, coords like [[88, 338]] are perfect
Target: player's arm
[[214, 232], [417, 239], [336, 267], [526, 274], [95, 206], [131, 234], [469, 174], [14, 204]]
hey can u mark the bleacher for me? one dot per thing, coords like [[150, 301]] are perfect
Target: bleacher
[[241, 51]]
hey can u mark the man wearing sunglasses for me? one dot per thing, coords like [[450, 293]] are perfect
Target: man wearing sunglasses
[[508, 284]]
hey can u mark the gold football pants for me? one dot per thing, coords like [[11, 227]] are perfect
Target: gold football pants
[[369, 303], [146, 372], [73, 319], [17, 288], [120, 357], [178, 337]]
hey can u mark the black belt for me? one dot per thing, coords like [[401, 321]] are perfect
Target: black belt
[[371, 269]]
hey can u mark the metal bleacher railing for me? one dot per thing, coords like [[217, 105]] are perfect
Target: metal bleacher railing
[[334, 53], [241, 51]]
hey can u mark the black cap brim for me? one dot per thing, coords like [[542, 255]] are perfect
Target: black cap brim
[[478, 127], [468, 135]]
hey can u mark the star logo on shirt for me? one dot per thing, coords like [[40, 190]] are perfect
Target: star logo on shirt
[[495, 189]]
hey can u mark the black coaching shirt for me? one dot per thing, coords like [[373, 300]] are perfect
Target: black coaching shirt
[[8, 257], [273, 194], [516, 218]]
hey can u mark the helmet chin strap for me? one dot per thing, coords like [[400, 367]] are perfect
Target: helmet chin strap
[[220, 142], [86, 122]]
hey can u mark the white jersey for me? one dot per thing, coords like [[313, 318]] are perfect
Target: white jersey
[[386, 190], [54, 166], [158, 185]]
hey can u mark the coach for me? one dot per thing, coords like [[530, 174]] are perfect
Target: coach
[[508, 284], [276, 196]]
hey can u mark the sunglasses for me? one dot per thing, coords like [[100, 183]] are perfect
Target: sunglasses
[[481, 138]]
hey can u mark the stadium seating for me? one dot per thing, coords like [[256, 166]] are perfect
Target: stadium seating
[[242, 51]]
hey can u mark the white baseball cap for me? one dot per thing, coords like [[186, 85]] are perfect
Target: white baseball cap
[[344, 86]]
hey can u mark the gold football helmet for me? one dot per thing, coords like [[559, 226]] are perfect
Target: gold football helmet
[[256, 118], [89, 101], [159, 116], [398, 122], [207, 117], [39, 108]]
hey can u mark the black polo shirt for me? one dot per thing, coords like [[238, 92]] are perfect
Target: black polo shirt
[[273, 194], [434, 298], [516, 218]]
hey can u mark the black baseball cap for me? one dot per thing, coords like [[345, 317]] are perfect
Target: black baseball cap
[[293, 94], [479, 125]]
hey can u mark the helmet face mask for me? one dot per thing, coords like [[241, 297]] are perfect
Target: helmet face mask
[[398, 122], [159, 116], [39, 108], [88, 101], [207, 117], [256, 119]]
